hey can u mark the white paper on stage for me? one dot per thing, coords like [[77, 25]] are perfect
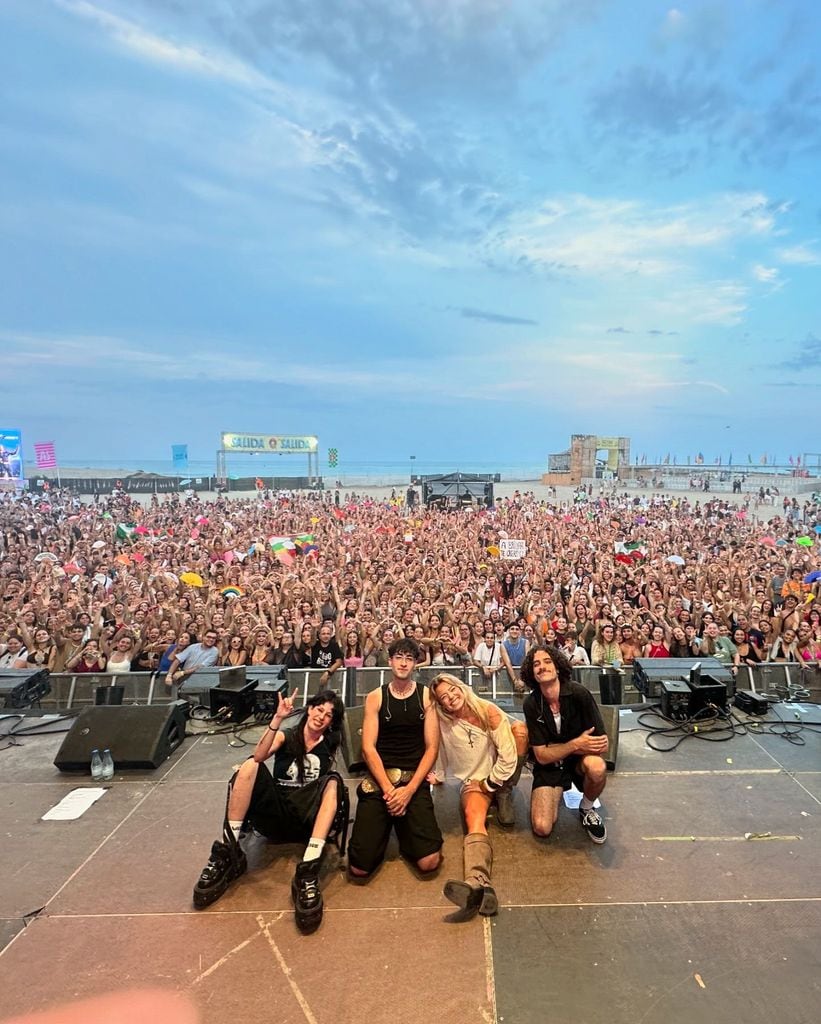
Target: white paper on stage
[[74, 804], [573, 799]]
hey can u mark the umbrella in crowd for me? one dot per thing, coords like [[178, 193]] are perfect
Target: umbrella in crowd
[[805, 542], [812, 577]]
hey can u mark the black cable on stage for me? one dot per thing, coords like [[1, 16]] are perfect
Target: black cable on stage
[[717, 725]]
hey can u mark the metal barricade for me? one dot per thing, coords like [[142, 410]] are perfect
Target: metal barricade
[[308, 682], [78, 690], [498, 688], [782, 679]]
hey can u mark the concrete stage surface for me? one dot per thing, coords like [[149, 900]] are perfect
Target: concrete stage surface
[[705, 903]]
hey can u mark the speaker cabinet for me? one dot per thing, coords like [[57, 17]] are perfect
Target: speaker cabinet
[[138, 736], [610, 717], [352, 739]]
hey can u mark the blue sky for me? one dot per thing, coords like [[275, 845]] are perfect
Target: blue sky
[[461, 228]]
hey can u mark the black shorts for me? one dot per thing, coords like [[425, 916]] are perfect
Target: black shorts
[[565, 774], [417, 830], [286, 814]]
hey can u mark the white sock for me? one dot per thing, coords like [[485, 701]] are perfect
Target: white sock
[[586, 804], [236, 828], [313, 851]]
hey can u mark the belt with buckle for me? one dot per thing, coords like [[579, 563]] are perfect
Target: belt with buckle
[[396, 777]]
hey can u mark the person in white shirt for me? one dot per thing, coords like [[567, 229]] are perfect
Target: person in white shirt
[[487, 656], [485, 750], [13, 651], [571, 647]]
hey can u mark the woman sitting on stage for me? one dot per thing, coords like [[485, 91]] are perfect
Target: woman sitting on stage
[[486, 751], [299, 802]]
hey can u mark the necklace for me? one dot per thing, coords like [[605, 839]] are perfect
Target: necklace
[[469, 731]]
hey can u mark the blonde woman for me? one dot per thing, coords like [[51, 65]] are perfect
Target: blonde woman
[[485, 750]]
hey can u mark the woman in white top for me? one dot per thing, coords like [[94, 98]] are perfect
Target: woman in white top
[[123, 649], [485, 750], [12, 651]]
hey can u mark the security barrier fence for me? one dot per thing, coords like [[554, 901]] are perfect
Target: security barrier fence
[[72, 691]]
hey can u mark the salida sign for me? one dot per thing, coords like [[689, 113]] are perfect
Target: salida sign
[[276, 444]]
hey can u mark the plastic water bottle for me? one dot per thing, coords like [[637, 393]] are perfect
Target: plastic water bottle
[[107, 766], [96, 765]]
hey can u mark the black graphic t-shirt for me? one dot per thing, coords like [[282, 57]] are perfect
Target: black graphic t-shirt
[[316, 763], [324, 657]]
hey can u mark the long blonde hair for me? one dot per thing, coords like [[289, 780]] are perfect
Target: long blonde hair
[[478, 706]]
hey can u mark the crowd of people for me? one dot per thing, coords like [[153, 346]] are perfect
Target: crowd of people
[[296, 580], [115, 586]]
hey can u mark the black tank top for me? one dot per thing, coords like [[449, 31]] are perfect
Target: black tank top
[[401, 739]]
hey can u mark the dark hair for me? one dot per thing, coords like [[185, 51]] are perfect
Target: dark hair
[[557, 656], [405, 645], [334, 734]]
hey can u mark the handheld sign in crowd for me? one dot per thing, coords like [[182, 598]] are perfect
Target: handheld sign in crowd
[[512, 550]]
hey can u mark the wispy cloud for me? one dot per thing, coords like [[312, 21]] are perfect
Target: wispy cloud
[[494, 318], [161, 50], [808, 356], [801, 255], [613, 237]]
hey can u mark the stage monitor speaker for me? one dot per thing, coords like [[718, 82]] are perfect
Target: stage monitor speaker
[[138, 736], [610, 717], [352, 739]]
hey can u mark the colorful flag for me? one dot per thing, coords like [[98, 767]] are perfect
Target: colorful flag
[[283, 549], [45, 455], [124, 531], [634, 548]]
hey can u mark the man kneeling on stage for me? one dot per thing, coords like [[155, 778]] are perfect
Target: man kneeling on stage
[[400, 740], [300, 801], [568, 740]]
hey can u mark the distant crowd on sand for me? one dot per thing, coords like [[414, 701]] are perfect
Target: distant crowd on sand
[[330, 581]]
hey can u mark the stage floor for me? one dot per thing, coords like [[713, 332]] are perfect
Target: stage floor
[[705, 903]]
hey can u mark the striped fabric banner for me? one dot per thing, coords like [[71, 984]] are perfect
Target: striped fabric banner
[[45, 455]]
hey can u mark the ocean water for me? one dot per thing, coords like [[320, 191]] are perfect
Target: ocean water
[[351, 473]]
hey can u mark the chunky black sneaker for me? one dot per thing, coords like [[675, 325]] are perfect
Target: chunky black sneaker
[[593, 824], [226, 863], [307, 896]]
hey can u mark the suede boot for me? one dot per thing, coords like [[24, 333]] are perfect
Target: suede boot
[[475, 893], [505, 813]]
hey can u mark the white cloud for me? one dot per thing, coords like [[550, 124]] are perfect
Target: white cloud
[[159, 50], [614, 237], [800, 254], [766, 275]]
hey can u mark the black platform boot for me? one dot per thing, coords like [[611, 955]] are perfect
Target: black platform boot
[[226, 863], [307, 896]]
